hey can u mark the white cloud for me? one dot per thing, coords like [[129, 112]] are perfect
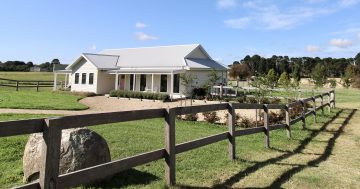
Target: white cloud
[[271, 15], [93, 47], [144, 37], [238, 23], [140, 25], [347, 3], [225, 4], [312, 48], [341, 43]]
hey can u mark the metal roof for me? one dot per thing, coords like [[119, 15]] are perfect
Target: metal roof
[[172, 57]]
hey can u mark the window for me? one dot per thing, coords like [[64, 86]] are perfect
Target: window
[[91, 78], [83, 78], [131, 82], [142, 82], [176, 83], [76, 78], [163, 83]]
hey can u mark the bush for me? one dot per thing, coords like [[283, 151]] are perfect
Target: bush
[[332, 83], [246, 123], [210, 117], [140, 95], [251, 100], [241, 99], [190, 117], [275, 118]]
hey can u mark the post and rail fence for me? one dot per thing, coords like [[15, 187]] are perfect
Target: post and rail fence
[[17, 84], [52, 128]]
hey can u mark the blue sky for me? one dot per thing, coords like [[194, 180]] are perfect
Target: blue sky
[[40, 30]]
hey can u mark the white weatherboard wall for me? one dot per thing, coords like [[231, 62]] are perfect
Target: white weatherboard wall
[[105, 82], [84, 67]]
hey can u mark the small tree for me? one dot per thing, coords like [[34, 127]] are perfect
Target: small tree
[[213, 77], [188, 80], [239, 72], [348, 76], [272, 78], [284, 81], [318, 75]]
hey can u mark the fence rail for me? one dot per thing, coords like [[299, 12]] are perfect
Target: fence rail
[[17, 84], [52, 127]]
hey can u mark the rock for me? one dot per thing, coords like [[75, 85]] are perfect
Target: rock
[[80, 148]]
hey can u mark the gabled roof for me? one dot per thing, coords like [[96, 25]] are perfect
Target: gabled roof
[[176, 57], [100, 61]]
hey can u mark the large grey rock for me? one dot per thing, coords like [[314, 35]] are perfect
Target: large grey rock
[[80, 148]]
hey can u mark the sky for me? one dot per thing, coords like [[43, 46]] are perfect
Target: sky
[[41, 30]]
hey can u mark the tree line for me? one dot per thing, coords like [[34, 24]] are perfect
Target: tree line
[[21, 66], [315, 68], [335, 67]]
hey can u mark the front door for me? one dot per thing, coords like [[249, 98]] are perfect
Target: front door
[[122, 82]]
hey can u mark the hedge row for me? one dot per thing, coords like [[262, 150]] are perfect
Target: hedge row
[[140, 95]]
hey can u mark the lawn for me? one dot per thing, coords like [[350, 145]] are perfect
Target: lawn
[[44, 99], [34, 76], [308, 160]]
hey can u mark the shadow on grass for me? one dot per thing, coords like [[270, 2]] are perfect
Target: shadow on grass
[[297, 168], [126, 178]]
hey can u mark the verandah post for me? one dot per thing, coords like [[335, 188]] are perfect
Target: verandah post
[[170, 147], [49, 170], [231, 127], [287, 120], [266, 125]]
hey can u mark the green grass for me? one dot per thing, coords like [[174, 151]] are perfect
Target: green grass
[[30, 99], [203, 167], [36, 76]]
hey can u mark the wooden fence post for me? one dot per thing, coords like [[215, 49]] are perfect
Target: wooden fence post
[[332, 98], [329, 101], [37, 86], [287, 119], [231, 126], [17, 85], [266, 125], [170, 147], [303, 114], [314, 108], [322, 104], [49, 170]]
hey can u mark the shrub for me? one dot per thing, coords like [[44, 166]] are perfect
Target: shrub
[[246, 123], [237, 118], [190, 117], [251, 100], [241, 99], [332, 83], [210, 117]]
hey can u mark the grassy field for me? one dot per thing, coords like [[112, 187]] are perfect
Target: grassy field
[[30, 99], [317, 157], [36, 76]]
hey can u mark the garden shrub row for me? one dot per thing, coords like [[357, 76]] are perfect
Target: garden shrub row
[[140, 95]]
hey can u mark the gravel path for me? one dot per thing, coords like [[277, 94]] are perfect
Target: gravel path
[[100, 104]]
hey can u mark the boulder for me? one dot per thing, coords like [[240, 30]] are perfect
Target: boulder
[[80, 148]]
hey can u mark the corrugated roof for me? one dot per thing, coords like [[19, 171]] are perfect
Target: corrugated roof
[[174, 57], [197, 63], [102, 61], [162, 56]]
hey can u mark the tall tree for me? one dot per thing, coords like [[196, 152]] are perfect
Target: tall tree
[[318, 75]]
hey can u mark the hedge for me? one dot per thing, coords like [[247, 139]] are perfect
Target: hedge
[[140, 95]]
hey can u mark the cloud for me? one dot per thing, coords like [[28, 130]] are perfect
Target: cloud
[[346, 31], [140, 25], [272, 15], [93, 48], [312, 48], [347, 3], [341, 43], [226, 4], [144, 37], [238, 23], [358, 36]]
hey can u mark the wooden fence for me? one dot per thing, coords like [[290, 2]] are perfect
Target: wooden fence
[[52, 127], [25, 83]]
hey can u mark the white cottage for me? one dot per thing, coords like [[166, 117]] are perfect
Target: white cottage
[[147, 69]]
